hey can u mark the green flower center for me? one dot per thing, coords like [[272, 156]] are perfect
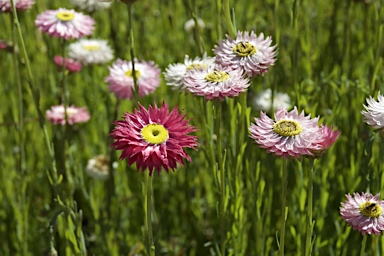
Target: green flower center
[[91, 47], [217, 76], [65, 16], [154, 133], [371, 209], [196, 66], [244, 49], [287, 128], [129, 73]]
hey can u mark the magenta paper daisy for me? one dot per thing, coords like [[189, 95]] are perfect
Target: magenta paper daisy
[[70, 64], [364, 213], [216, 82], [328, 138], [20, 5], [121, 82], [289, 135], [248, 52], [374, 114], [64, 23], [56, 115], [154, 138]]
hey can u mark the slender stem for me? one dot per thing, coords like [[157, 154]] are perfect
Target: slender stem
[[308, 242], [151, 245], [228, 20], [363, 243], [131, 43], [284, 182], [218, 7]]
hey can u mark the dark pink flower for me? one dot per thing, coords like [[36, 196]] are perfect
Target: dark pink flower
[[154, 138], [70, 64]]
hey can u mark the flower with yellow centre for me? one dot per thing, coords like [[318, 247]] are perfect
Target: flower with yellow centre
[[90, 51]]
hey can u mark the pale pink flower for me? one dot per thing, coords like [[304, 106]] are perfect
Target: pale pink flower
[[248, 52], [364, 213], [70, 64], [56, 115], [329, 137], [64, 23], [20, 5], [121, 81], [216, 82]]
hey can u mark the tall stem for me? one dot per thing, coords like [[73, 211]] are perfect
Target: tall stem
[[363, 243], [228, 20], [284, 182], [148, 192], [132, 52], [308, 242]]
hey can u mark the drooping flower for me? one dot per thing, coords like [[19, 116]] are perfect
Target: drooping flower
[[263, 100], [216, 82], [121, 81], [289, 135], [189, 26], [248, 52], [374, 114], [56, 115], [91, 5], [154, 138], [328, 138], [20, 5], [70, 64], [175, 73], [64, 23], [98, 167], [90, 51], [364, 213]]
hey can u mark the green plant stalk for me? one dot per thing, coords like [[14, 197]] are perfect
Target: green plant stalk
[[131, 43], [197, 30], [218, 17], [284, 182], [228, 20], [308, 242], [363, 243], [148, 202]]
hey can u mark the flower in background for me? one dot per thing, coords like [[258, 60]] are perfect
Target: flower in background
[[90, 51], [20, 5], [175, 73], [121, 82], [70, 64], [189, 26], [98, 167], [364, 213], [329, 137], [64, 23], [263, 100], [6, 46], [91, 5], [216, 82], [289, 135], [154, 138], [252, 54], [56, 115], [374, 114]]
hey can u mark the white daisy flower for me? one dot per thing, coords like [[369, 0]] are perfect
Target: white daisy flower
[[91, 5], [90, 51], [263, 100], [374, 114]]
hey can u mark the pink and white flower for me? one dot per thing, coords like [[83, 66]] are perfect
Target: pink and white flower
[[20, 5], [56, 115]]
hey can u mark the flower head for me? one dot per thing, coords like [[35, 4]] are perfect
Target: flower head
[[91, 5], [189, 26], [154, 138], [56, 115], [263, 100], [121, 81], [90, 51], [98, 167], [328, 138], [70, 64], [175, 73], [364, 213], [216, 82], [289, 135], [374, 114], [248, 52], [20, 5], [64, 23]]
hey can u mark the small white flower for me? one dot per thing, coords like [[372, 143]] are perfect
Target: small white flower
[[374, 114], [98, 167], [263, 100], [90, 51], [189, 26], [91, 5]]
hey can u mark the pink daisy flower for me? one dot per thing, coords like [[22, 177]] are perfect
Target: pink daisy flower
[[374, 114], [329, 137], [216, 82], [289, 135], [154, 138], [20, 5], [364, 213], [120, 78], [70, 64], [64, 23], [56, 115], [248, 52]]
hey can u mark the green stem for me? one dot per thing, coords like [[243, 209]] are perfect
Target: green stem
[[228, 20], [284, 182], [148, 184], [363, 243], [308, 242], [131, 43], [218, 7], [197, 30]]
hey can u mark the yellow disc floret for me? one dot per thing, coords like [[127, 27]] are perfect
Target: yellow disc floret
[[371, 209], [196, 66], [91, 47], [154, 133], [65, 16], [287, 128], [244, 49], [129, 73], [217, 76]]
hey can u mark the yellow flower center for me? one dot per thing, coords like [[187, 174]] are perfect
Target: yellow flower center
[[244, 49], [154, 133], [287, 128], [91, 47], [217, 76], [129, 73], [371, 209], [196, 66], [65, 16]]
